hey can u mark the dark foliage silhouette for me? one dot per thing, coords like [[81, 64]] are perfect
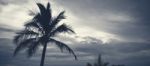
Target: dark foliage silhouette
[[40, 31], [88, 64], [99, 62], [119, 65]]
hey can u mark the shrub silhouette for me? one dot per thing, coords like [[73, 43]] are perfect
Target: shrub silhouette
[[99, 62], [88, 64], [118, 65]]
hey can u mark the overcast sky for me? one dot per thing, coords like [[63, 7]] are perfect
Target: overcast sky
[[118, 29]]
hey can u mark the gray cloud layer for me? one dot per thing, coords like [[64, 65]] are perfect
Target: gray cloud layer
[[128, 19], [130, 54]]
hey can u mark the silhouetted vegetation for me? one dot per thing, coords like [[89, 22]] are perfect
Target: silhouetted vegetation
[[88, 64], [119, 65], [100, 62], [40, 31]]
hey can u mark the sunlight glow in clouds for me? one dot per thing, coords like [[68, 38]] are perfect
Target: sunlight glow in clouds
[[14, 15], [103, 36], [17, 15]]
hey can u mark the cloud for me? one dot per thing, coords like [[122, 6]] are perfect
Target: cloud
[[6, 2], [118, 53], [5, 51], [119, 30], [7, 31], [130, 53], [127, 19]]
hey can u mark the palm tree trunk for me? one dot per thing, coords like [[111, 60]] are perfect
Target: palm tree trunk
[[43, 55]]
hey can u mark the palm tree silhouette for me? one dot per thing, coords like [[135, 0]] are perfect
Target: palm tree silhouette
[[88, 64], [119, 65], [40, 31], [99, 62]]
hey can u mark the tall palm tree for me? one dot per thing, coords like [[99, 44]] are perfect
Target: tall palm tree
[[41, 30]]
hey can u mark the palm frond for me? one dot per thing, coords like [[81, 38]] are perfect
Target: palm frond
[[21, 36], [32, 24], [63, 46], [48, 5], [56, 20], [62, 28], [59, 17], [48, 12], [16, 39], [23, 45], [28, 32], [41, 7], [37, 17], [33, 48]]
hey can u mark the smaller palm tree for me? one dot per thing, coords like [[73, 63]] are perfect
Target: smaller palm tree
[[118, 65], [88, 64], [99, 62]]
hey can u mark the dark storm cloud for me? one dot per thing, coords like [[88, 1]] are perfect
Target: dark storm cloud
[[3, 2], [109, 48], [129, 54], [138, 10], [6, 56], [6, 29], [5, 51], [15, 2], [6, 2]]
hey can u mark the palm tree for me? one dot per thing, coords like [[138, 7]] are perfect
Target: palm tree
[[99, 62], [119, 65], [88, 64], [41, 30]]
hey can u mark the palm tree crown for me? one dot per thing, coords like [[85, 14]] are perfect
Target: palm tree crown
[[41, 30]]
